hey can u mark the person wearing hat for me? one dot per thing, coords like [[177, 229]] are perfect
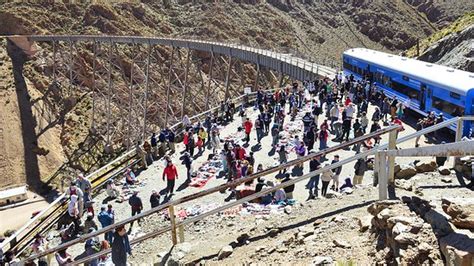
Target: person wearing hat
[[154, 198], [136, 204]]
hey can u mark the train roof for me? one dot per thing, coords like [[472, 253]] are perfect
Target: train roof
[[457, 80]]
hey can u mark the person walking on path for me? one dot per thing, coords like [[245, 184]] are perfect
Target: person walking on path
[[120, 247], [171, 175], [136, 204], [188, 161]]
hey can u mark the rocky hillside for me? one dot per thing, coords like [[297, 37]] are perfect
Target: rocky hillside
[[319, 30], [451, 46]]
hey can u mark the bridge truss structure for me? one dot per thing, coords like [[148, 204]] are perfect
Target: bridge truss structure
[[137, 85]]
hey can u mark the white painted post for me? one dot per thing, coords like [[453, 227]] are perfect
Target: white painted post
[[459, 127], [383, 180], [392, 145]]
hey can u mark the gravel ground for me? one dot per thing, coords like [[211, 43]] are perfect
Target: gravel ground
[[223, 229]]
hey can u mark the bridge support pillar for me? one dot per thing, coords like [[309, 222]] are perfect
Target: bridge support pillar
[[170, 76]]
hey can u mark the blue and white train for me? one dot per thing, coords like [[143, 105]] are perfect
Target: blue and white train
[[424, 87]]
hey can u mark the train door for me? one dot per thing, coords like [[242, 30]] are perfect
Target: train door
[[422, 99]]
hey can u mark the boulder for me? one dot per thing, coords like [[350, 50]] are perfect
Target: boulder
[[399, 229], [341, 243], [461, 211], [322, 260], [406, 238], [364, 223], [404, 184], [443, 170], [225, 252], [287, 209], [458, 249], [378, 206], [426, 167], [440, 225], [406, 172], [396, 168]]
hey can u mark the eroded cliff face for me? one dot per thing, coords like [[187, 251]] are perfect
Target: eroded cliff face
[[455, 50]]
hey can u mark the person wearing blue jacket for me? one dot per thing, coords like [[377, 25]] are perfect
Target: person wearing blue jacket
[[106, 218]]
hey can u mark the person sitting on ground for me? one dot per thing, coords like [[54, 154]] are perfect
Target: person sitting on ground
[[280, 196], [154, 198], [289, 189], [89, 223], [112, 190], [347, 184], [130, 177]]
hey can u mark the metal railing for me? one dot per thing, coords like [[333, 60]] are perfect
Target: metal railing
[[170, 205]]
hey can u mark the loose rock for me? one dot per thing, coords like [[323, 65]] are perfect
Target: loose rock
[[406, 172], [322, 260], [460, 210], [341, 243], [225, 252], [444, 170], [426, 167]]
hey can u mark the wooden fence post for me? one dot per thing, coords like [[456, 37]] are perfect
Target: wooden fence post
[[173, 224]]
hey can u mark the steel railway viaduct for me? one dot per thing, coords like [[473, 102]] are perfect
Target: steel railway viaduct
[[132, 82]]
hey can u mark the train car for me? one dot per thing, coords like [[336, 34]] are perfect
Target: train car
[[423, 87]]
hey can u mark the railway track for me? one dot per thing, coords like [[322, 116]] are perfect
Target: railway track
[[47, 218]]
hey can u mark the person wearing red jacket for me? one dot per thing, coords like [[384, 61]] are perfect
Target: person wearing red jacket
[[171, 175], [248, 128], [239, 152]]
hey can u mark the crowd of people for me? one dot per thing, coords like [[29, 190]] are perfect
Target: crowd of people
[[334, 110]]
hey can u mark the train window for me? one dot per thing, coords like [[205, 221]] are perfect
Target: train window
[[405, 90], [405, 78], [386, 81], [447, 107], [455, 95]]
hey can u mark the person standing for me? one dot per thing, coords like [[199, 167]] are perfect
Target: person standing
[[188, 161], [313, 183], [323, 138], [248, 128], [105, 218], [171, 175], [136, 204], [337, 172], [170, 137], [120, 247], [326, 177], [360, 167], [259, 128]]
